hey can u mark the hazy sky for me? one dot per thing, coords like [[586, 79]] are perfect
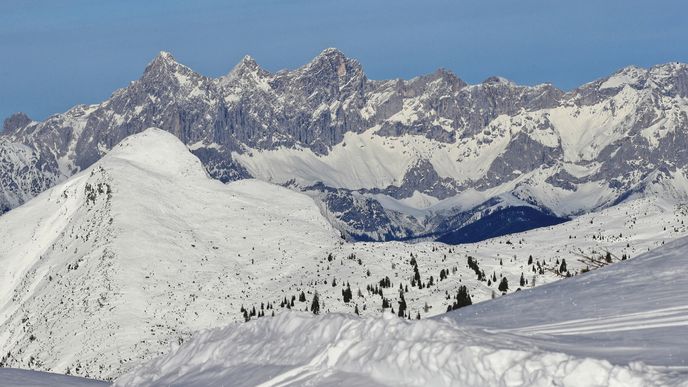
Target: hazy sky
[[55, 54]]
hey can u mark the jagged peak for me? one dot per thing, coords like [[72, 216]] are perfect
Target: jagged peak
[[450, 76], [164, 62], [496, 80], [668, 68], [248, 60], [163, 57], [335, 59], [246, 63], [331, 51], [16, 121]]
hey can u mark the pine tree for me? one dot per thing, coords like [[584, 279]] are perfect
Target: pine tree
[[346, 293], [463, 298], [315, 305], [402, 304], [530, 260], [503, 285], [356, 310], [562, 268], [302, 297], [523, 280]]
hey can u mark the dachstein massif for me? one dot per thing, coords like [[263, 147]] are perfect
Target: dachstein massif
[[429, 158]]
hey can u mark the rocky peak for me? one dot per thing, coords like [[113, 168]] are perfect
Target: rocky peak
[[494, 80], [164, 68], [332, 62], [15, 122], [245, 69], [163, 61]]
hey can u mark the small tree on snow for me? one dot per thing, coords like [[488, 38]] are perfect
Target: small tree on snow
[[503, 285], [315, 306]]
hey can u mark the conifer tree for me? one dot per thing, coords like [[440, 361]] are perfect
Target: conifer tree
[[315, 305], [402, 304], [503, 285]]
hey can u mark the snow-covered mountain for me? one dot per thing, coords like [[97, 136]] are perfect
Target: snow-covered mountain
[[143, 248], [622, 326], [391, 159]]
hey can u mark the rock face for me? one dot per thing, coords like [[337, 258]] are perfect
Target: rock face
[[386, 159]]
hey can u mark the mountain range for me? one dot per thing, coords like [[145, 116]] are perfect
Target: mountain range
[[428, 158]]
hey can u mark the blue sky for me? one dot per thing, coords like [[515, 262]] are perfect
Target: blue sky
[[55, 54]]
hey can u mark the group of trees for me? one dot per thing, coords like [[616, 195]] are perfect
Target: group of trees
[[462, 298], [473, 264]]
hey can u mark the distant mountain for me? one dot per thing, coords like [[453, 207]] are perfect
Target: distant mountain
[[394, 159]]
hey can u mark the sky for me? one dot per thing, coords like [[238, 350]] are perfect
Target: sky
[[57, 54]]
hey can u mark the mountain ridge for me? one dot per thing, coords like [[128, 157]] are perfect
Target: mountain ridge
[[325, 123]]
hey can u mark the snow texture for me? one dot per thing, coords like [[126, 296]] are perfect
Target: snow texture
[[143, 249], [622, 325]]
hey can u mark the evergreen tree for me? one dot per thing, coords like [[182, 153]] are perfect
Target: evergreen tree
[[315, 305], [562, 267], [530, 260], [463, 298], [346, 294], [523, 280], [503, 285], [402, 304], [302, 297]]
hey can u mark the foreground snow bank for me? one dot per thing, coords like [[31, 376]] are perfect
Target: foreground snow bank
[[13, 377], [297, 348]]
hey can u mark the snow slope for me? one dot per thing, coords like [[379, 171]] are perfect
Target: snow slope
[[142, 249], [12, 377], [636, 310], [599, 329]]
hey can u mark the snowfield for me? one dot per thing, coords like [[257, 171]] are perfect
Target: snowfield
[[12, 377], [623, 325], [299, 349], [632, 311], [142, 250]]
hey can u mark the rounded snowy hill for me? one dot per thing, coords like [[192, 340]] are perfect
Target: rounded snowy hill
[[143, 241]]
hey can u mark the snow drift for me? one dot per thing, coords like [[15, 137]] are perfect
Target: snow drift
[[299, 349]]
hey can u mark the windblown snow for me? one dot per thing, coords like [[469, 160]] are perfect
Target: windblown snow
[[619, 326]]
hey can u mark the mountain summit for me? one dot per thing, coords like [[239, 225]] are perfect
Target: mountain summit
[[387, 159]]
